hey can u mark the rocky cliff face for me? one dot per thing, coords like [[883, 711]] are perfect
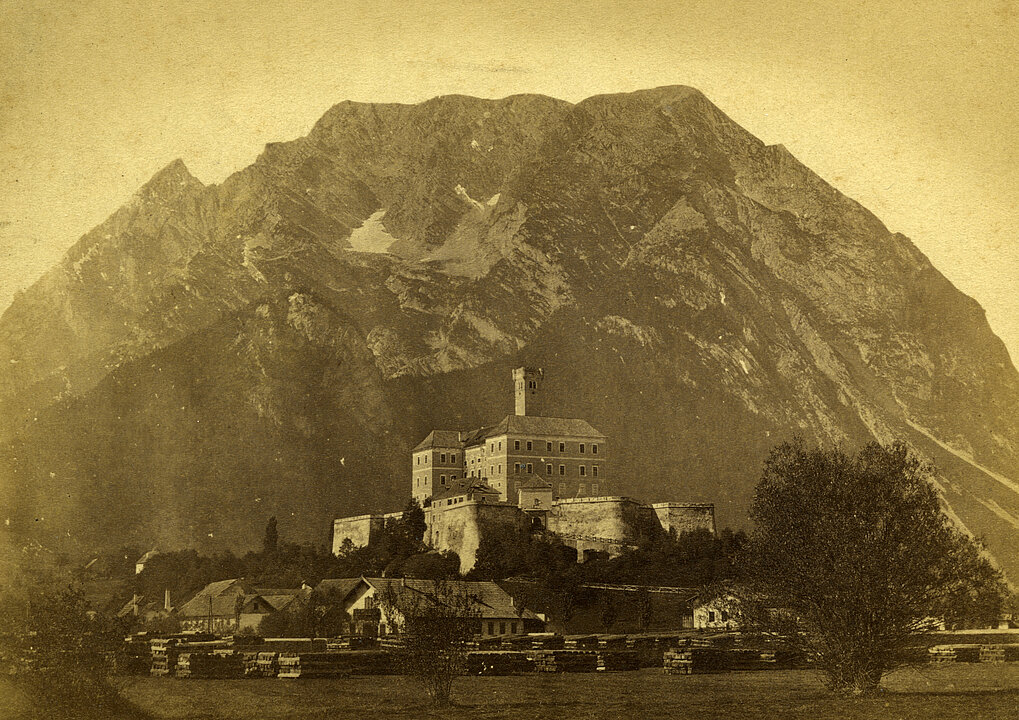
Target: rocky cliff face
[[276, 344]]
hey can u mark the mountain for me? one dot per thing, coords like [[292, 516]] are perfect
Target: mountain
[[276, 344]]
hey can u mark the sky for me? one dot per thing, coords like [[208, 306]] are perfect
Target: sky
[[911, 108]]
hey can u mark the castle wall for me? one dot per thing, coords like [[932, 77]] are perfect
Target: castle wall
[[360, 530], [685, 517], [458, 528], [608, 517]]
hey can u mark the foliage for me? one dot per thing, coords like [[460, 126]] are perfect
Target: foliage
[[518, 549], [317, 614], [689, 559], [608, 611], [437, 627], [852, 557], [645, 609], [272, 536], [63, 651]]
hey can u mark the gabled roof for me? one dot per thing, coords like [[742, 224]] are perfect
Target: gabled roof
[[198, 606], [533, 482], [488, 599], [339, 586], [276, 602], [440, 439], [466, 486]]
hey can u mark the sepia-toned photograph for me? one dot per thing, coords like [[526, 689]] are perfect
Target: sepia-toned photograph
[[581, 360]]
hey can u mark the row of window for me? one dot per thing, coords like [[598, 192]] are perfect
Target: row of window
[[442, 458], [502, 628], [529, 468]]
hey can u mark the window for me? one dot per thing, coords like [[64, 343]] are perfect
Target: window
[[594, 470], [594, 488], [426, 459], [532, 385], [711, 616], [492, 447], [537, 502], [452, 458], [419, 459], [581, 448], [516, 468], [562, 447], [502, 628], [491, 628], [594, 448], [548, 469], [528, 444], [725, 616], [530, 468], [500, 468], [581, 489], [442, 479], [513, 628], [491, 469], [516, 444], [548, 447], [442, 458], [583, 470], [500, 444], [562, 469]]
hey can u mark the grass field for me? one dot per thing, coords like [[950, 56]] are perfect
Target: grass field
[[973, 692]]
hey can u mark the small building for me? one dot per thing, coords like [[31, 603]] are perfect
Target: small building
[[381, 603], [230, 605], [717, 612], [265, 602]]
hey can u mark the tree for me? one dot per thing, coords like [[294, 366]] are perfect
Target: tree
[[852, 558], [608, 611], [437, 620], [645, 609], [272, 536]]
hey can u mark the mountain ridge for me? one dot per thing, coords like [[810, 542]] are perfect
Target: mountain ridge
[[696, 294]]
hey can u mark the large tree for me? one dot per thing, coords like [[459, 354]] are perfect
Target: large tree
[[852, 558]]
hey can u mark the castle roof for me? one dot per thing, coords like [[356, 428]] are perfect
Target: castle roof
[[537, 425], [440, 439]]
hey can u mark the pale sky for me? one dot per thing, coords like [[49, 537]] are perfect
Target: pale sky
[[912, 108]]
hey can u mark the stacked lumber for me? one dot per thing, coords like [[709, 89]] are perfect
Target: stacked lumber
[[498, 662], [547, 641], [999, 653], [565, 661], [210, 665], [335, 664], [515, 642], [617, 660], [581, 642], [394, 642], [351, 642], [677, 662], [267, 664], [164, 656], [612, 642], [954, 653], [311, 665]]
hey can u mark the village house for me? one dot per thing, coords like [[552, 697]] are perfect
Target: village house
[[231, 605], [372, 604]]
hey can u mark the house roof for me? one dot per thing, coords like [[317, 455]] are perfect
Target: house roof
[[533, 482], [466, 486], [488, 599], [340, 586], [198, 606], [276, 602], [440, 439]]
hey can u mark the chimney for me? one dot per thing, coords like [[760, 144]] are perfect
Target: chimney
[[403, 581], [166, 600]]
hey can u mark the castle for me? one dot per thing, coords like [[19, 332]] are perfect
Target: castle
[[553, 471]]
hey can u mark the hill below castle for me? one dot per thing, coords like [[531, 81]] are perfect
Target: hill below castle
[[276, 344]]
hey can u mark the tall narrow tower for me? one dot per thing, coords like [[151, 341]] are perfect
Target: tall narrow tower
[[527, 389]]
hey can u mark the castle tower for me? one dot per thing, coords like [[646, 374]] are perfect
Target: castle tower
[[527, 390]]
